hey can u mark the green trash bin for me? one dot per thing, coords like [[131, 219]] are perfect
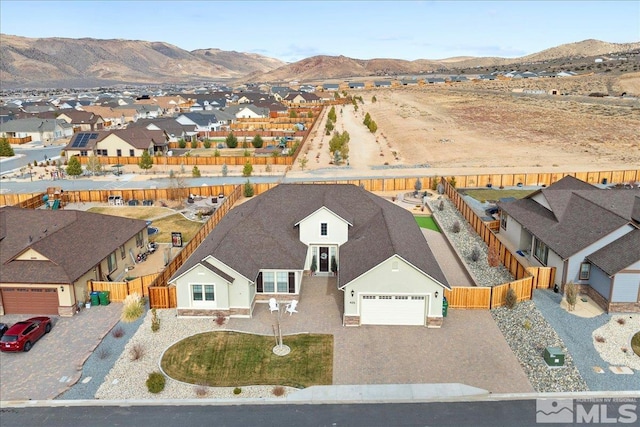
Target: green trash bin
[[104, 298], [95, 298], [445, 306]]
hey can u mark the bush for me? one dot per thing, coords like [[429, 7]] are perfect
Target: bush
[[456, 227], [220, 319], [247, 170], [237, 390], [278, 391], [195, 172], [155, 321], [132, 307], [635, 343], [441, 205], [599, 338], [182, 143], [621, 321], [511, 299], [248, 189], [201, 390], [206, 143], [571, 294], [136, 352], [117, 332], [527, 324], [194, 144], [475, 254], [155, 382], [103, 353]]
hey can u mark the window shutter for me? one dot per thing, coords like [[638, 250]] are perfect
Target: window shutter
[[259, 283], [292, 282]]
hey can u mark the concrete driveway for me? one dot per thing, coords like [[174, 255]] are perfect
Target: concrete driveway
[[468, 349], [55, 361]]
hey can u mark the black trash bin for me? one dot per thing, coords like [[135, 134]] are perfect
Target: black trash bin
[[605, 181]]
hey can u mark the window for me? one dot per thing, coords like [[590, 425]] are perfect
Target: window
[[119, 153], [540, 251], [132, 153], [272, 282], [282, 279], [83, 153], [585, 271], [268, 282], [503, 220], [111, 262], [202, 293], [139, 239], [122, 252], [323, 229]]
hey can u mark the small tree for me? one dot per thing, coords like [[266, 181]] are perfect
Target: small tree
[[216, 153], [195, 172], [225, 170], [373, 126], [571, 294], [374, 99], [314, 264], [493, 257], [367, 119], [194, 144], [332, 114], [302, 161], [293, 114], [231, 140], [511, 299], [257, 141], [206, 144], [334, 265], [417, 187], [182, 143], [452, 181], [248, 189], [5, 148], [434, 182], [247, 169], [74, 168], [310, 114], [93, 165], [145, 162]]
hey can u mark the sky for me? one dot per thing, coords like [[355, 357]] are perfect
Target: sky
[[294, 30]]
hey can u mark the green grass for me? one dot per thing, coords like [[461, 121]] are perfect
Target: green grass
[[135, 212], [230, 359], [427, 222], [484, 194]]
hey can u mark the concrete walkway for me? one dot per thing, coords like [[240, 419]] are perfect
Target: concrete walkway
[[449, 262]]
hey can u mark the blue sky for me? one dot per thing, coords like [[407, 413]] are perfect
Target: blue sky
[[293, 30]]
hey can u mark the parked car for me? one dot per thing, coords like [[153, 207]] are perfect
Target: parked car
[[22, 335], [3, 329]]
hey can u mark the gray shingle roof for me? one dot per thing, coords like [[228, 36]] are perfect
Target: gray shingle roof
[[619, 254], [261, 233], [73, 241]]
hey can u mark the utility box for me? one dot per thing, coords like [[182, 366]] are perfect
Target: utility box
[[554, 356]]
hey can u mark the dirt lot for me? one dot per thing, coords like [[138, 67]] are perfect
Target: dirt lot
[[478, 127]]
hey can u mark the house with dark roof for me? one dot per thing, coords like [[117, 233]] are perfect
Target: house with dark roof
[[302, 98], [130, 142], [82, 120], [47, 257], [266, 247], [45, 130], [590, 235]]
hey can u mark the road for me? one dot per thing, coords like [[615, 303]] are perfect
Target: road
[[26, 156], [519, 413]]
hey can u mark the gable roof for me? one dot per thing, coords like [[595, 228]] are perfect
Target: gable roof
[[73, 241], [262, 233], [33, 125], [619, 254], [79, 117], [580, 214]]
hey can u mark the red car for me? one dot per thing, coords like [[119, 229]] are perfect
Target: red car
[[22, 335]]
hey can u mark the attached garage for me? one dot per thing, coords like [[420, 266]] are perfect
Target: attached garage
[[393, 309], [30, 300]]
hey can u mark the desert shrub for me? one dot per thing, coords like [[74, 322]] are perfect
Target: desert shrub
[[136, 352], [201, 390], [220, 319], [195, 172], [237, 390], [103, 353], [206, 143], [571, 294], [155, 382], [475, 254], [599, 338], [182, 143], [248, 189], [621, 321], [155, 320], [456, 227], [132, 307], [117, 332], [527, 324], [493, 257], [278, 391], [635, 343], [194, 144], [441, 205], [511, 299]]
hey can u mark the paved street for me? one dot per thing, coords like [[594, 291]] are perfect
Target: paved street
[[55, 361]]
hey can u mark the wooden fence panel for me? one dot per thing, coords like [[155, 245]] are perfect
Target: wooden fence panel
[[468, 297], [159, 297], [522, 287], [118, 291]]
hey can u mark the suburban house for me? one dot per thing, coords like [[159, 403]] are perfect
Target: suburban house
[[331, 87], [169, 104], [130, 142], [82, 121], [247, 111], [48, 256], [203, 122], [112, 118], [265, 248], [302, 98], [590, 235], [174, 130], [45, 130]]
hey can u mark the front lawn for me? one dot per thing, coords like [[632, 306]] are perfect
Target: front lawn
[[230, 359], [135, 212], [427, 222], [486, 194]]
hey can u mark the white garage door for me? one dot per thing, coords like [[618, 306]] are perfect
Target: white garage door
[[392, 309]]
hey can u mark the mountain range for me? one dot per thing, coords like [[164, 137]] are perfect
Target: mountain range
[[87, 62]]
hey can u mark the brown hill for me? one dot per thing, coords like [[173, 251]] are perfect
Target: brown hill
[[59, 62]]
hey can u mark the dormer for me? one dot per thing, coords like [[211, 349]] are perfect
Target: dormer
[[323, 226], [31, 254]]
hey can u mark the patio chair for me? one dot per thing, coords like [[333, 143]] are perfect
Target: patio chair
[[291, 308], [273, 305]]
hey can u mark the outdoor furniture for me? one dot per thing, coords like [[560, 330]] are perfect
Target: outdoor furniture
[[291, 308], [112, 200], [147, 203], [133, 202], [118, 201], [273, 305]]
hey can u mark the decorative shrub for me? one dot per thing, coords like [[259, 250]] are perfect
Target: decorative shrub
[[206, 144], [441, 205], [621, 321], [278, 391], [493, 257], [132, 307], [136, 352], [155, 321], [155, 382], [201, 390], [600, 338], [194, 144], [248, 189], [103, 353], [456, 227], [237, 390], [571, 293], [220, 319], [182, 143], [117, 332], [511, 299], [475, 254], [527, 324]]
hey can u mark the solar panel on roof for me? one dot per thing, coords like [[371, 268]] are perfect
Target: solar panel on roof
[[82, 139]]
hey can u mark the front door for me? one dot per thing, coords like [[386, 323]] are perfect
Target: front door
[[324, 259]]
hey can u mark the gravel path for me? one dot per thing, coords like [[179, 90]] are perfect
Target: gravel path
[[577, 334]]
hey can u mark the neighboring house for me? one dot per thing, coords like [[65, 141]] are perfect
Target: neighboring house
[[202, 122], [279, 92], [112, 118], [302, 98], [48, 256], [590, 235], [356, 85], [130, 142], [274, 108], [174, 130], [247, 111], [262, 249], [253, 97], [82, 121], [330, 87], [45, 130], [382, 83], [169, 104]]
